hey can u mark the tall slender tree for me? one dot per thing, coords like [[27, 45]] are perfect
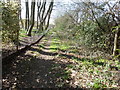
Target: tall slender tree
[[38, 9], [32, 20], [27, 15]]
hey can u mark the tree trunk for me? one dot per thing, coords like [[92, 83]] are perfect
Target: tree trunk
[[32, 18], [116, 42], [50, 11], [38, 7], [46, 15], [27, 16], [21, 19], [42, 12]]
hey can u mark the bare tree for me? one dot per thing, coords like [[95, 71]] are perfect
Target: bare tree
[[32, 18], [47, 15], [43, 14], [38, 9], [27, 15], [114, 11]]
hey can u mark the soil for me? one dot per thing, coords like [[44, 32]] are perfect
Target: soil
[[33, 69]]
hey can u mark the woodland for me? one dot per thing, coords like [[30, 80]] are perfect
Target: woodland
[[79, 49]]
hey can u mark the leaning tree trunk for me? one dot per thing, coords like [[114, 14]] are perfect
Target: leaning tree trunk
[[49, 14], [41, 16], [115, 43]]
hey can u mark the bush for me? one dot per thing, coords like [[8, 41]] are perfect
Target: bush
[[10, 26]]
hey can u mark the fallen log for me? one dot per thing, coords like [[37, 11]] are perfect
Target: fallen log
[[11, 57]]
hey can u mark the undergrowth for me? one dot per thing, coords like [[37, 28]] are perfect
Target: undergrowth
[[100, 73]]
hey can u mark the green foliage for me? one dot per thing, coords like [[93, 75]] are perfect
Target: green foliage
[[57, 45], [64, 27], [90, 32], [22, 33], [98, 84], [10, 26], [97, 75]]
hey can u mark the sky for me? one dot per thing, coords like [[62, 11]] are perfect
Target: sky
[[57, 10]]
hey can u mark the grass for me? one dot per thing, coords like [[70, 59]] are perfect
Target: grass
[[53, 47], [97, 73], [57, 45], [22, 33], [74, 51]]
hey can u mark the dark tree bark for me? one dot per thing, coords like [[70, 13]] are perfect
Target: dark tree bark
[[42, 12], [32, 18], [42, 16], [27, 15], [46, 15], [50, 11], [38, 9]]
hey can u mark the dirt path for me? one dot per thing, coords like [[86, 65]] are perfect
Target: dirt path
[[36, 68], [39, 67]]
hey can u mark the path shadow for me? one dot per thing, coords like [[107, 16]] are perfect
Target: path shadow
[[67, 56], [7, 52], [23, 43], [43, 52], [48, 48], [55, 53], [30, 72]]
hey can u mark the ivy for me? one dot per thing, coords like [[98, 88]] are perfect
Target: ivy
[[10, 25]]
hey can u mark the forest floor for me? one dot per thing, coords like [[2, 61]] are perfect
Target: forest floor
[[43, 66], [37, 68]]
